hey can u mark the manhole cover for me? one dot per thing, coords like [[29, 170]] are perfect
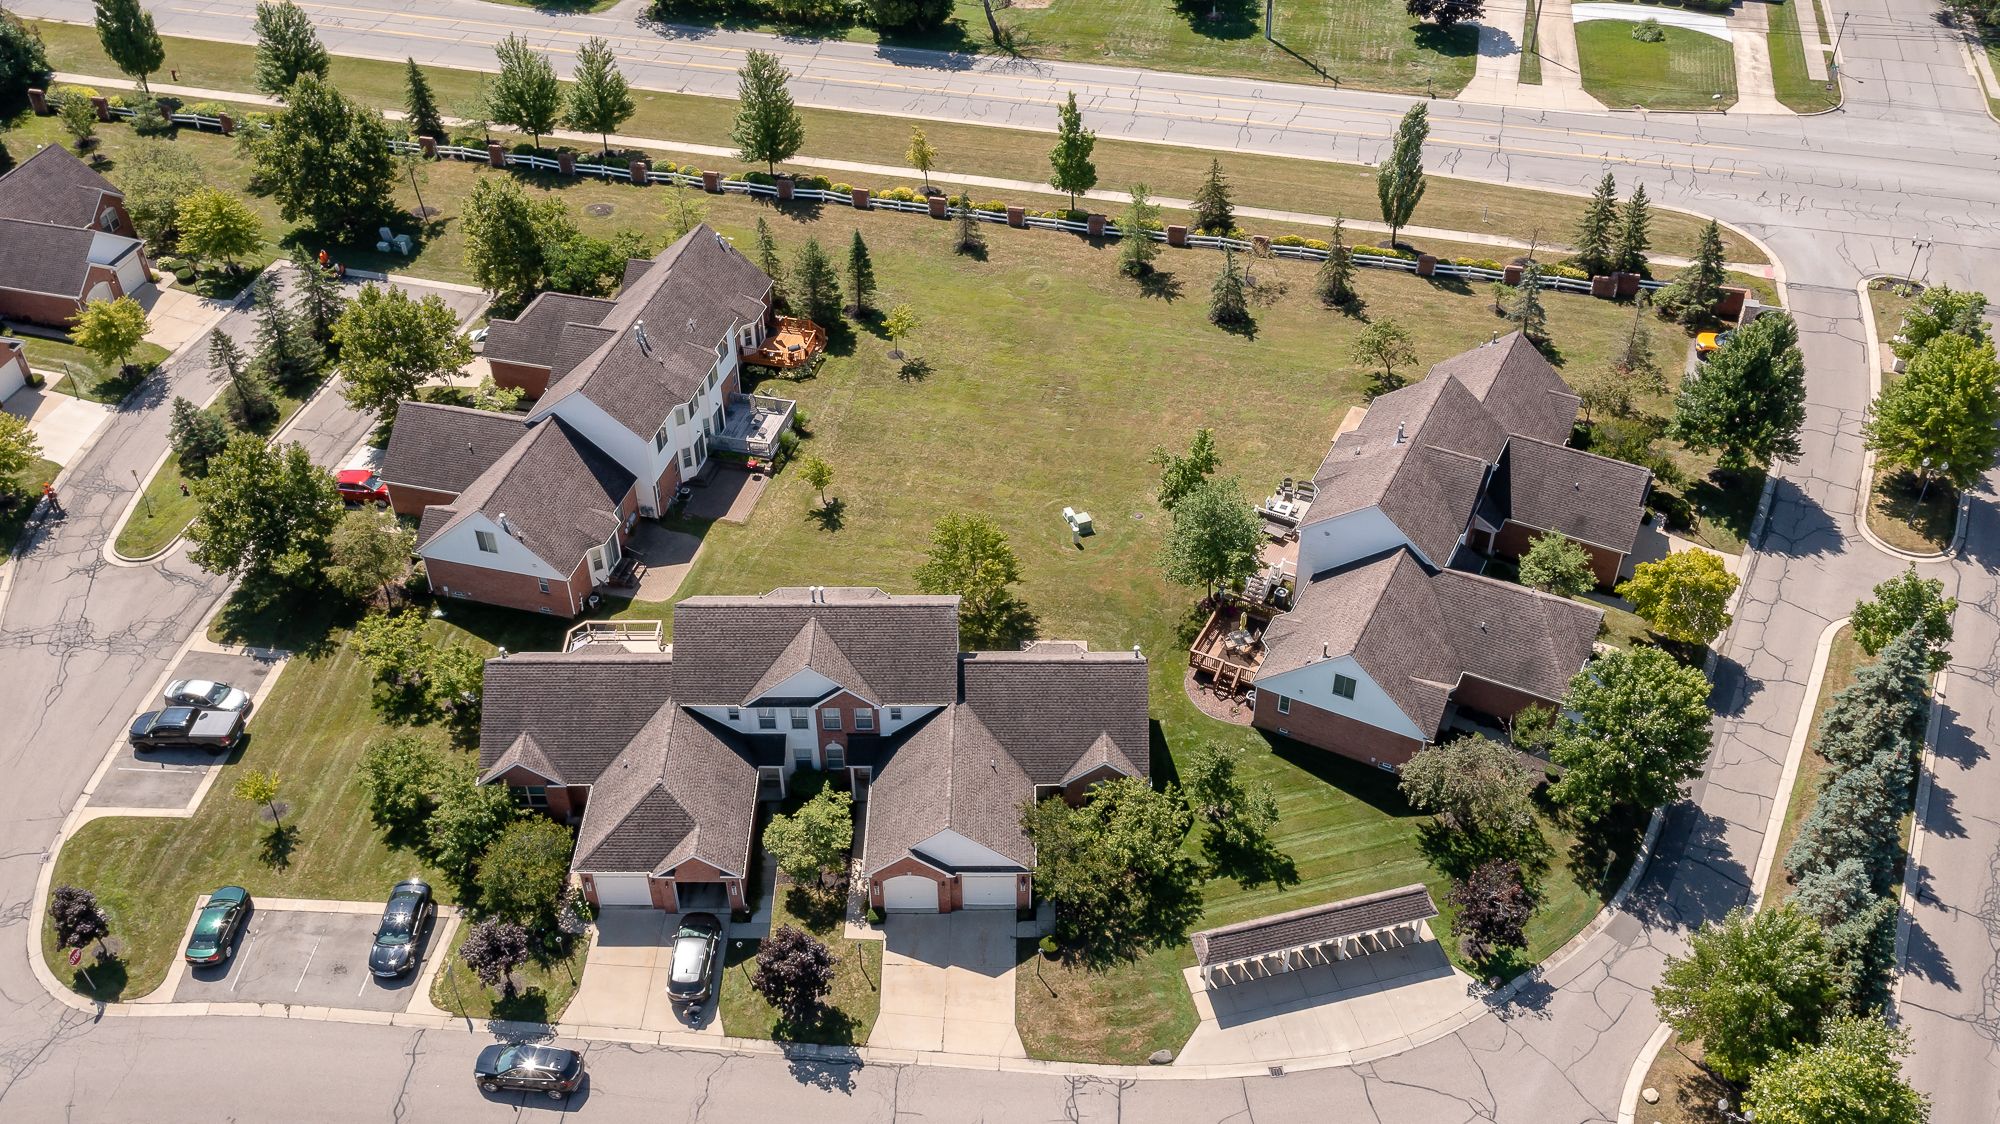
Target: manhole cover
[[599, 209], [425, 212]]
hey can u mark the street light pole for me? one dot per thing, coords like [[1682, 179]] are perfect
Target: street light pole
[[143, 498], [1926, 489], [1916, 246], [1267, 17]]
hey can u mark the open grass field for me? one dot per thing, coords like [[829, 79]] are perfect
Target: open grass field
[[147, 872], [1684, 71], [1841, 661], [542, 988], [1788, 63], [1309, 186], [852, 1004]]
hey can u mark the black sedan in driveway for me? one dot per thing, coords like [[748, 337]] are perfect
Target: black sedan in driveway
[[400, 937], [694, 957], [530, 1068]]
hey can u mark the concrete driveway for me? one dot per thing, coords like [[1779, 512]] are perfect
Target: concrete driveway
[[1369, 1003], [625, 976], [176, 316], [63, 424], [948, 984]]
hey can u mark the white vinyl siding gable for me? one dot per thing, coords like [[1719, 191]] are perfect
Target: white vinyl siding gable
[[1346, 538], [956, 851], [461, 544], [1313, 685]]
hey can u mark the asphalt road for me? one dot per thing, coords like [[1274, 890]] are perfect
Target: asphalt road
[[1905, 172]]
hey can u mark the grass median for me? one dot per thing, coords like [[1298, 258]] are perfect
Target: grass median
[[1842, 659], [852, 1004], [1687, 70], [166, 505], [1789, 79], [1309, 186], [80, 374]]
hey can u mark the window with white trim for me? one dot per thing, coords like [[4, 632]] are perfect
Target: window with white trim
[[687, 458], [1343, 686], [801, 720], [660, 438], [767, 718], [735, 714], [836, 757], [487, 543], [829, 719], [1284, 705], [864, 719], [680, 415], [543, 584], [534, 797]]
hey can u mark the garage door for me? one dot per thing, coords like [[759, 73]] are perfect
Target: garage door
[[131, 273], [622, 889], [11, 379], [909, 893], [987, 891]]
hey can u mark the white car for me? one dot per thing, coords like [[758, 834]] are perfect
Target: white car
[[207, 693]]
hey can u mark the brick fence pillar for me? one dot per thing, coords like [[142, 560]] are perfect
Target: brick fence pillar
[[1177, 236], [1094, 225], [38, 100], [860, 198], [226, 123], [1511, 275], [566, 163], [711, 181], [1628, 285], [937, 205], [103, 107], [495, 155], [1604, 288], [1017, 216], [785, 188], [428, 146], [1260, 244], [640, 173], [1731, 305]]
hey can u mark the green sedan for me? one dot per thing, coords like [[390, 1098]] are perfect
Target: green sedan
[[215, 928]]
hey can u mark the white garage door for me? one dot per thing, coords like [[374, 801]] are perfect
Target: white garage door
[[131, 273], [622, 889], [11, 378], [910, 893], [988, 891]]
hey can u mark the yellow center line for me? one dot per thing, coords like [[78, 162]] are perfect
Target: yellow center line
[[1050, 85]]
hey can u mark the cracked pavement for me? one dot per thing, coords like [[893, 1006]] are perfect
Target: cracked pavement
[[1837, 197]]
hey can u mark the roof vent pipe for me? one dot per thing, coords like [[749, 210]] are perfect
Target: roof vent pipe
[[1325, 650], [1135, 653], [1399, 433], [639, 333]]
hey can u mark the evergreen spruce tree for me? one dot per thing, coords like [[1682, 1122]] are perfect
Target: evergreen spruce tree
[[1070, 166], [1228, 307], [1691, 298], [286, 356], [1636, 360], [772, 265], [287, 46], [1399, 182], [1594, 231], [319, 299], [1525, 311], [424, 119], [1213, 213], [860, 276], [1334, 283], [1136, 248], [1629, 253], [246, 398], [816, 286], [967, 238], [130, 41]]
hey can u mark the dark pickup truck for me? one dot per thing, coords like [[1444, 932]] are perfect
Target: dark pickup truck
[[214, 730]]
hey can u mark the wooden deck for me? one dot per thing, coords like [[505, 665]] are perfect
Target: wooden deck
[[796, 343], [1231, 667]]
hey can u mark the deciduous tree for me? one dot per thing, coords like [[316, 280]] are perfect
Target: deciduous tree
[[1553, 564], [1399, 181], [493, 949], [263, 513], [1115, 870], [1493, 904], [818, 474], [1239, 813], [109, 330], [507, 236], [1939, 417], [1136, 248], [1752, 987], [1853, 1075], [287, 46], [970, 558], [469, 816], [155, 176], [1641, 728], [366, 552], [1750, 401], [1071, 169], [600, 100], [24, 63], [1477, 786], [1446, 13], [259, 786], [77, 918], [1384, 342], [811, 844], [217, 226], [522, 875], [1941, 310], [794, 973], [400, 776], [899, 325], [327, 162], [1903, 602], [78, 116], [1214, 540], [391, 345], [1180, 474], [1684, 596], [920, 154], [19, 449], [768, 126], [130, 41], [525, 93]]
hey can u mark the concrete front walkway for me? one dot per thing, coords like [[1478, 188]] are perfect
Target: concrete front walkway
[[948, 984], [1497, 79], [1369, 1006]]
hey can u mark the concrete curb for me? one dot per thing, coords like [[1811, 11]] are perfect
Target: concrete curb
[[1914, 860], [1628, 1105], [1866, 490], [1767, 853]]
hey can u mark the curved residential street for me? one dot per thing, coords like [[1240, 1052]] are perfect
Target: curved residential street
[[1912, 155]]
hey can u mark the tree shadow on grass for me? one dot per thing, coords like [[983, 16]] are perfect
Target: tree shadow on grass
[[819, 908], [831, 515], [275, 849], [1930, 512], [262, 614], [103, 978], [1160, 285], [1222, 19], [1251, 862], [914, 369], [529, 1005]]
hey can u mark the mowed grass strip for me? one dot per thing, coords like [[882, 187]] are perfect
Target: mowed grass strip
[[1308, 186], [1684, 71], [77, 372], [542, 988], [1842, 659], [852, 1004], [1789, 79]]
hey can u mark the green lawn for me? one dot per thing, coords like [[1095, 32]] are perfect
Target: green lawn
[[851, 1005], [1531, 46], [147, 872], [1841, 661], [1788, 63], [542, 988], [163, 512], [1889, 301], [1682, 72], [1119, 1016], [18, 499], [1309, 186], [1908, 516], [100, 382]]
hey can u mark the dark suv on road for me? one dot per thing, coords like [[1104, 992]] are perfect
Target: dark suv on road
[[400, 938], [214, 730]]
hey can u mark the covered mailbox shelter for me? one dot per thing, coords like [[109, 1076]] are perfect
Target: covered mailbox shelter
[[1315, 935]]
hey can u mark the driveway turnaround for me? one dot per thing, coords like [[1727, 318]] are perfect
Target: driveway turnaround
[[170, 778], [948, 984], [1375, 1003], [308, 958], [625, 976]]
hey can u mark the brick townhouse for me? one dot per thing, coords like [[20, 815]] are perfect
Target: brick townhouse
[[65, 240]]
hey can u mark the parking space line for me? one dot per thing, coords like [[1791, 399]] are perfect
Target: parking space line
[[308, 967], [364, 984], [241, 957]]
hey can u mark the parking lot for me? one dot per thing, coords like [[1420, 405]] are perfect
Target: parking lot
[[169, 778], [315, 958]]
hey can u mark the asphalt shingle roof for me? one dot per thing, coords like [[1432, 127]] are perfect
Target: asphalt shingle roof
[[697, 289], [1584, 496], [445, 448], [947, 771], [560, 494], [1050, 709], [533, 337], [1518, 387], [1314, 925], [53, 186], [683, 788], [1516, 636], [581, 708], [40, 257], [905, 647]]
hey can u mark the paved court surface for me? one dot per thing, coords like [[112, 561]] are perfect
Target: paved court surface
[[948, 984], [625, 976], [176, 316], [169, 778], [62, 423], [316, 959], [1360, 1004]]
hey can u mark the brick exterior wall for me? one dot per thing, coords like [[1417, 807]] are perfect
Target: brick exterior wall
[[951, 896], [668, 483], [408, 499], [124, 227], [1493, 698], [1336, 733], [565, 802], [1513, 539], [530, 380], [38, 308], [1078, 790], [844, 705], [522, 591]]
